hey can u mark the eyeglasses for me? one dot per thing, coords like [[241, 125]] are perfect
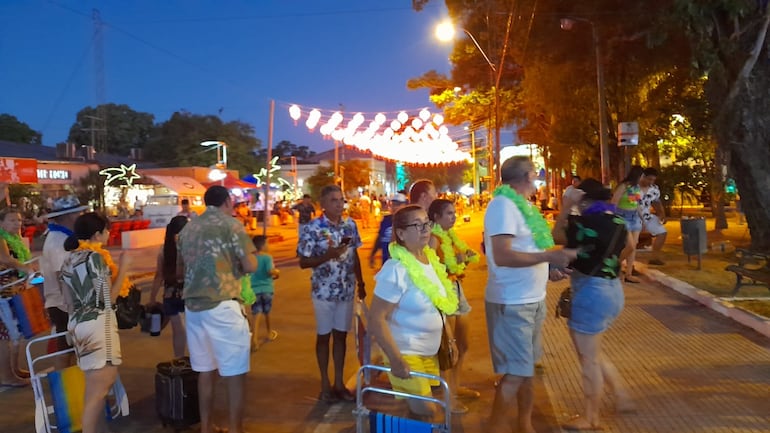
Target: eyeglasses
[[421, 226]]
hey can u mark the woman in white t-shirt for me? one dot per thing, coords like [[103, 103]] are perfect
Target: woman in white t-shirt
[[411, 293]]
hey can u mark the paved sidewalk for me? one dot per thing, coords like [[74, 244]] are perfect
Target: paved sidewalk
[[689, 369]]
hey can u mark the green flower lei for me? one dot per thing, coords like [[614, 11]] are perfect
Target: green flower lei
[[541, 232], [449, 239], [446, 303], [16, 245]]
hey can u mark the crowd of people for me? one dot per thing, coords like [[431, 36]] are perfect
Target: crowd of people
[[209, 268]]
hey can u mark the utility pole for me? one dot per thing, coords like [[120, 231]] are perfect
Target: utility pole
[[98, 141]]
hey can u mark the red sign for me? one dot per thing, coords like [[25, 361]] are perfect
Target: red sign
[[14, 170]]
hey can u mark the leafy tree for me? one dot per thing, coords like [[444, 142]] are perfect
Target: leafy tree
[[285, 149], [124, 127], [12, 129], [176, 142], [450, 177], [91, 189], [355, 174], [729, 38]]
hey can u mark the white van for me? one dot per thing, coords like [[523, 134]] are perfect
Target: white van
[[161, 208]]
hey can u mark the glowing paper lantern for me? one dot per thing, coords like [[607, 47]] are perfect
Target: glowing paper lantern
[[424, 114], [312, 119], [380, 118], [402, 117], [295, 113], [395, 125], [416, 123], [438, 119]]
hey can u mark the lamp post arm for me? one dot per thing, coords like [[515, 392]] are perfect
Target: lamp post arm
[[478, 47]]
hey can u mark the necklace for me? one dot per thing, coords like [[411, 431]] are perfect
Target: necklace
[[97, 248], [16, 246], [541, 232], [447, 301], [449, 240]]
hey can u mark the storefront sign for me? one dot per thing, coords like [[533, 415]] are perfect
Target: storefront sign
[[14, 170], [52, 174]]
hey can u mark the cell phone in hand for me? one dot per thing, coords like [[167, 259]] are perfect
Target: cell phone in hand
[[346, 240]]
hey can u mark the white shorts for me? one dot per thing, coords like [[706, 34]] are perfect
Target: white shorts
[[332, 315], [653, 226], [219, 339]]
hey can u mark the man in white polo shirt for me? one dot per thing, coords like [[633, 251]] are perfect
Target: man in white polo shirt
[[516, 237], [61, 220]]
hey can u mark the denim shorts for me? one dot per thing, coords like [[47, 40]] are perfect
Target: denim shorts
[[515, 337], [632, 219], [596, 302]]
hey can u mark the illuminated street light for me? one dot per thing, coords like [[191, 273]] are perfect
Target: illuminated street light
[[445, 31], [221, 151], [604, 150], [219, 172]]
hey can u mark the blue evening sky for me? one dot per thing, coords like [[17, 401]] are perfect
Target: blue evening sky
[[204, 56]]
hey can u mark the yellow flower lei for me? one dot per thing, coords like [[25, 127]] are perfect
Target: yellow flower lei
[[447, 303], [541, 232], [449, 240], [97, 248]]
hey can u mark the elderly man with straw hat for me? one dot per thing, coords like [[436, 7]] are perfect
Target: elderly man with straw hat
[[61, 220]]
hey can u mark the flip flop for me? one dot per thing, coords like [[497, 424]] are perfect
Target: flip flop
[[578, 423], [14, 385], [273, 335]]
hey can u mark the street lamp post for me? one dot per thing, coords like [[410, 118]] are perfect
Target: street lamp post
[[604, 150], [221, 165], [446, 32]]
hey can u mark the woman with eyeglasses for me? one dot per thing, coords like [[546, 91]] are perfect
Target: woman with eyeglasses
[[411, 294], [455, 254]]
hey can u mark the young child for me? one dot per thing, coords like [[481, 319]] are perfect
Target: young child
[[262, 285]]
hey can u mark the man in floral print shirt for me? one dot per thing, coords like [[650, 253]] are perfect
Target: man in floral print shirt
[[329, 245], [214, 253]]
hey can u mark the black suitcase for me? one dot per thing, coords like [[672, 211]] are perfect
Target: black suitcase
[[176, 394]]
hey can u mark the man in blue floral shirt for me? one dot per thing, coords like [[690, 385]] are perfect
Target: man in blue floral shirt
[[329, 245]]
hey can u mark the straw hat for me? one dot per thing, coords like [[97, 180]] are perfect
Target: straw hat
[[65, 205]]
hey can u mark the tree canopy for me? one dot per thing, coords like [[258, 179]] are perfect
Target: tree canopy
[[176, 142], [12, 129], [121, 127], [701, 60]]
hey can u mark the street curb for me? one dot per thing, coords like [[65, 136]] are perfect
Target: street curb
[[726, 308]]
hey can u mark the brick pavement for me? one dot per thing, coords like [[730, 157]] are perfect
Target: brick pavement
[[688, 368]]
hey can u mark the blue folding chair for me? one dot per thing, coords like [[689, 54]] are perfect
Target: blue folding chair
[[386, 423]]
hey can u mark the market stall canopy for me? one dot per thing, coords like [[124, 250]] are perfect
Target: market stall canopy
[[179, 184], [231, 182]]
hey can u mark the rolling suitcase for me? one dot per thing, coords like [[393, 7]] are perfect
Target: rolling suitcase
[[176, 394]]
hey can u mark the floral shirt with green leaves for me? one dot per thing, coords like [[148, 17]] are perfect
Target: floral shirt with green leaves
[[86, 283], [210, 249], [593, 236], [334, 280]]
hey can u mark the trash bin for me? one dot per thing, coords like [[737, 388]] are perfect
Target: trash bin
[[694, 236]]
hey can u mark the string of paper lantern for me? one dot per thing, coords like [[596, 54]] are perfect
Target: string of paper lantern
[[417, 139]]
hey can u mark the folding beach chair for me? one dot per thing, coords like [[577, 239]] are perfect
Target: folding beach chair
[[59, 406], [386, 423]]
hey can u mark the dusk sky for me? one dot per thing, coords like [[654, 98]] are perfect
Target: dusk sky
[[205, 56]]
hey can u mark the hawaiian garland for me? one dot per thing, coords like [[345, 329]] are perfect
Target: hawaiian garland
[[97, 248], [449, 239], [16, 245], [541, 232], [447, 303]]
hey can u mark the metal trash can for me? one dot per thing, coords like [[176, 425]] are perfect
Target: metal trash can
[[694, 236]]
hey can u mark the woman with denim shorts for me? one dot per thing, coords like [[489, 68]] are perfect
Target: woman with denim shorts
[[599, 235], [626, 199]]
